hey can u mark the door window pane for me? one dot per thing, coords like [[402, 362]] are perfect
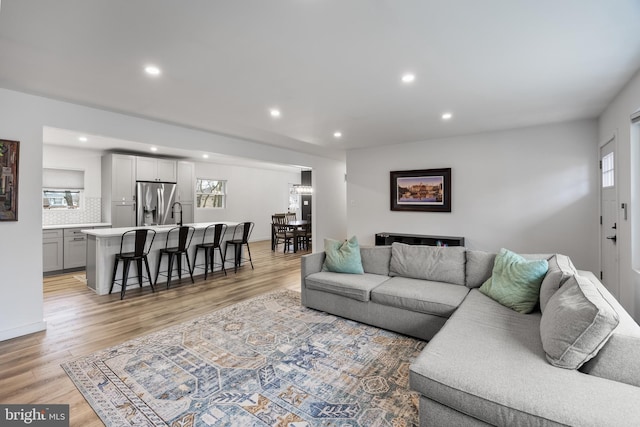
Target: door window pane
[[607, 171]]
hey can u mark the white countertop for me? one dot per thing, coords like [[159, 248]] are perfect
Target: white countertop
[[113, 232], [92, 224]]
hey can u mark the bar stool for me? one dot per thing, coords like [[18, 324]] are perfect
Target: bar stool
[[139, 254], [245, 228], [184, 234], [219, 231]]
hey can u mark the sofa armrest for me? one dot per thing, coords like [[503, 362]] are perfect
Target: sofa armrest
[[309, 264]]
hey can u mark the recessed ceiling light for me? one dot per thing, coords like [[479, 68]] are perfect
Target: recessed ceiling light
[[274, 112], [83, 139], [447, 116], [205, 156], [153, 148], [337, 134], [408, 78], [152, 70]]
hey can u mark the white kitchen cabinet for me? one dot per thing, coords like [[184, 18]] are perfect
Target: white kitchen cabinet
[[52, 250], [123, 182], [152, 169], [123, 214], [75, 248], [186, 183], [118, 189]]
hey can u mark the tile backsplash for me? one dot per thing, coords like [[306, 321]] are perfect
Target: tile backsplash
[[91, 213]]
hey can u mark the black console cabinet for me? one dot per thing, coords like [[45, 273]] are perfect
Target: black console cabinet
[[383, 239]]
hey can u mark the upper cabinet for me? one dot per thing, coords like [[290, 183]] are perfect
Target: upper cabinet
[[118, 178], [151, 169]]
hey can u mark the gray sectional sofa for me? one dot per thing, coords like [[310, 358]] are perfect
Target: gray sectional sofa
[[486, 364]]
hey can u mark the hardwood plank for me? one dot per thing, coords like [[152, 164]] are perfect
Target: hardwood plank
[[80, 322]]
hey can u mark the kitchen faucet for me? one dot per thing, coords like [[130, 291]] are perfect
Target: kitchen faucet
[[180, 212]]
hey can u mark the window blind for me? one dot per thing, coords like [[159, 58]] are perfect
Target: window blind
[[62, 179], [635, 117]]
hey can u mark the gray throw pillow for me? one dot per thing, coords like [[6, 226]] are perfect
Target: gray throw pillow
[[560, 270], [619, 358], [375, 259], [479, 267], [439, 264], [576, 323]]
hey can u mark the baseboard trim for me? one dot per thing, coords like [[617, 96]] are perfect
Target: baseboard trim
[[23, 330]]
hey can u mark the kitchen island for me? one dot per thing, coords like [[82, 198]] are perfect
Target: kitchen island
[[104, 244]]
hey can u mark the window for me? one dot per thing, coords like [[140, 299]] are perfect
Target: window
[[61, 199], [607, 171], [62, 189], [211, 193]]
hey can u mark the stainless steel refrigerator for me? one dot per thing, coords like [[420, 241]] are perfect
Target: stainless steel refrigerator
[[154, 201]]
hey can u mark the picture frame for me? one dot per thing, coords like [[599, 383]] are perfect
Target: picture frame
[[425, 190], [9, 161]]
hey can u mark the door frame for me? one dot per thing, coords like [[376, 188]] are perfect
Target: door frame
[[613, 137]]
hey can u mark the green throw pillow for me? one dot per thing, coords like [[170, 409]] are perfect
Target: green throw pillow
[[343, 257], [515, 282]]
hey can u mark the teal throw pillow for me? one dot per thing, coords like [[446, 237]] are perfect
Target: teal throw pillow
[[343, 257], [515, 282]]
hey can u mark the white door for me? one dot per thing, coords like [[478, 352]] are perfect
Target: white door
[[609, 220]]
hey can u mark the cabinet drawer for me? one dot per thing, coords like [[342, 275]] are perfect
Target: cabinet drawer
[[52, 234], [75, 232]]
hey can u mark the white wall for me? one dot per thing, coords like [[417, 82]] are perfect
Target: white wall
[[529, 190], [252, 195], [57, 157], [22, 118], [616, 121]]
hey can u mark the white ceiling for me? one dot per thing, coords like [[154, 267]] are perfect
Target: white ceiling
[[70, 138], [327, 64]]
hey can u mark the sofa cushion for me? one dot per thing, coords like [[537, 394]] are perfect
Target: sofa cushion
[[515, 281], [478, 268], [619, 358], [375, 259], [576, 323], [423, 296], [355, 286], [342, 256], [439, 264], [560, 270], [487, 362]]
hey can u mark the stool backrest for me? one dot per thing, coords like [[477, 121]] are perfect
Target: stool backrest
[[245, 228], [141, 247], [219, 231], [185, 234]]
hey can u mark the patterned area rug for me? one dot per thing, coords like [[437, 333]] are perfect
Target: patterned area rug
[[265, 362]]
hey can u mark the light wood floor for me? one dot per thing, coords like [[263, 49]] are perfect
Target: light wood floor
[[80, 322]]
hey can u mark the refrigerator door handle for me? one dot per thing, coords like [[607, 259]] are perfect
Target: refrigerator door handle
[[160, 205]]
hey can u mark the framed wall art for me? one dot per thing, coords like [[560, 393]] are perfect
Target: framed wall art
[[427, 190], [9, 160]]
